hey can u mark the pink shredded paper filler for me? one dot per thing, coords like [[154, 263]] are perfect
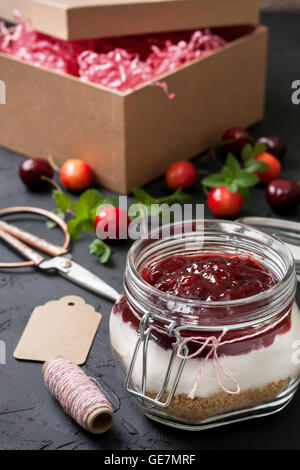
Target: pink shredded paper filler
[[121, 64]]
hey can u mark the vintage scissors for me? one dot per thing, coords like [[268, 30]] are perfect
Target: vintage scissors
[[19, 238]]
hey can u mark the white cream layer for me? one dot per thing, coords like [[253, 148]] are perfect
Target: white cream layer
[[252, 370]]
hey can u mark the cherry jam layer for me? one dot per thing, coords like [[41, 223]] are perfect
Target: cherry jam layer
[[209, 277], [212, 277]]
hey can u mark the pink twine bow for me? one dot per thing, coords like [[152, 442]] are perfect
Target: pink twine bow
[[213, 343]]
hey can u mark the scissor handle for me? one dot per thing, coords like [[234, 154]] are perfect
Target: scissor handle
[[35, 210], [25, 250], [33, 240]]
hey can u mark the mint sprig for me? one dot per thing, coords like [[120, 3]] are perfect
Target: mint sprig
[[83, 213], [63, 201], [100, 249], [80, 214], [237, 177], [84, 210], [151, 204], [249, 152]]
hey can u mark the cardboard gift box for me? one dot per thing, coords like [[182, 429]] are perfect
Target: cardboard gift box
[[131, 138]]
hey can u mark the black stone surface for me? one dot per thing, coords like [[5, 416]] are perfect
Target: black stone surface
[[29, 417]]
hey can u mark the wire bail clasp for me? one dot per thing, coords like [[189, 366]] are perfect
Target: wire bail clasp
[[147, 331]]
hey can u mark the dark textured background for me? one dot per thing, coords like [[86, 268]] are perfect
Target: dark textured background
[[29, 417]]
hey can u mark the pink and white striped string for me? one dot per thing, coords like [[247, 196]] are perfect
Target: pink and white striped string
[[78, 394]]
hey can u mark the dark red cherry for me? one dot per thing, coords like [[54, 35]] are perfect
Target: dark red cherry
[[237, 137], [275, 144], [31, 171], [283, 195]]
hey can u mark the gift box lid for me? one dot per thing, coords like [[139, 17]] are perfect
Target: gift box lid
[[85, 19]]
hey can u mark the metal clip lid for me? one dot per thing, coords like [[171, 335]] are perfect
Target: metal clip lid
[[147, 332]]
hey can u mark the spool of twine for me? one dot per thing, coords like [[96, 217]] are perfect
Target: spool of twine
[[79, 395]]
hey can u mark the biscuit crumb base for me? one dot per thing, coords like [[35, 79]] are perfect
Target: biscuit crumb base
[[204, 407]]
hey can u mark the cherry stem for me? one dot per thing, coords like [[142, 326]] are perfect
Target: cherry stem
[[205, 190], [212, 152], [52, 182], [215, 158], [53, 164], [56, 186]]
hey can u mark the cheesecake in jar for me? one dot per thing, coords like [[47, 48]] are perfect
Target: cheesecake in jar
[[207, 326]]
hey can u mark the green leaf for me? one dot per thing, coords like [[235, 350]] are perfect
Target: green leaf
[[178, 196], [213, 181], [74, 228], [101, 250], [245, 180], [91, 198], [255, 165], [247, 152], [245, 192], [227, 173], [63, 201], [140, 195], [93, 213], [259, 148], [81, 210], [232, 187], [109, 201], [252, 165], [153, 205], [233, 164], [88, 225], [112, 200], [50, 223], [181, 196]]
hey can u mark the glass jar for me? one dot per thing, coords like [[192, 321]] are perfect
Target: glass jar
[[198, 364]]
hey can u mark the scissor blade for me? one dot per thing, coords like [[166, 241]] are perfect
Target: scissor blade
[[81, 276]]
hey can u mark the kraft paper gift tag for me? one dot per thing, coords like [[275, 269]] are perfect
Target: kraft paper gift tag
[[64, 327]]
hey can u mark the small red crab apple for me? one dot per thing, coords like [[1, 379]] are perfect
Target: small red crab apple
[[274, 169], [181, 175], [111, 223], [76, 174], [223, 203]]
